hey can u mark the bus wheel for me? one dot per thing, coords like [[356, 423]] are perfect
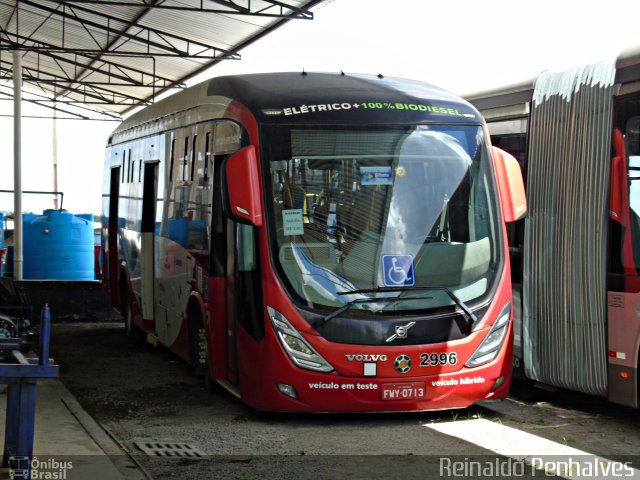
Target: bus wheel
[[199, 351], [132, 333], [198, 342]]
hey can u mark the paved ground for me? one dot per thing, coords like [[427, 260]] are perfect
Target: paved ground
[[145, 395]]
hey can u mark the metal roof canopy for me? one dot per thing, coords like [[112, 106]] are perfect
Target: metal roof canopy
[[98, 59], [102, 58]]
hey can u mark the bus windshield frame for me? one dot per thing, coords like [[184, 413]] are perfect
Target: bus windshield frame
[[353, 208]]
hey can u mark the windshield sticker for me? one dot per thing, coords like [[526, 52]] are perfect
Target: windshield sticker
[[292, 221], [398, 270], [328, 107], [400, 171], [376, 176], [332, 219]]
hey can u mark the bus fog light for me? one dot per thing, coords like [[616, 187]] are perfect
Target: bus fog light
[[288, 390], [499, 382]]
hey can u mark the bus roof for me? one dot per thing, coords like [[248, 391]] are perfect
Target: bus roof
[[329, 98], [628, 65], [507, 99], [502, 101]]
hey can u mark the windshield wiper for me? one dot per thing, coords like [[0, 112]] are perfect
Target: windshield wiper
[[350, 304], [471, 318]]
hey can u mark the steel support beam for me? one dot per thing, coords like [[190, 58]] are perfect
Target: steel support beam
[[126, 74], [232, 8], [143, 36], [17, 166]]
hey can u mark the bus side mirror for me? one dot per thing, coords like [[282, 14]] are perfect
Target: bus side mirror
[[241, 187], [510, 185]]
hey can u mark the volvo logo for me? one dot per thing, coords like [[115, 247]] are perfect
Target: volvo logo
[[367, 358], [401, 331], [402, 363]]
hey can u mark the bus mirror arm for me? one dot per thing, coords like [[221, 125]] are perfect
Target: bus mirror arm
[[510, 185], [242, 201]]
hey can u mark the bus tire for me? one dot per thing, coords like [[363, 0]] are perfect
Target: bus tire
[[197, 341], [200, 357], [133, 334]]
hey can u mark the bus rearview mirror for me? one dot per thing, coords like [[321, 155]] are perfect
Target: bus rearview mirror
[[242, 187], [510, 185], [618, 193]]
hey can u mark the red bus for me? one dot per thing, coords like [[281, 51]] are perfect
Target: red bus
[[317, 242], [576, 257]]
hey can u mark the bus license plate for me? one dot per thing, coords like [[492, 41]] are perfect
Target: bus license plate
[[402, 391]]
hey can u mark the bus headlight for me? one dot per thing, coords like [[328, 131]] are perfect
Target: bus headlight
[[298, 349], [490, 346]]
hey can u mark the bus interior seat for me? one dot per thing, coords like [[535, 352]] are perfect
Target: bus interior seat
[[321, 255], [360, 265], [447, 264]]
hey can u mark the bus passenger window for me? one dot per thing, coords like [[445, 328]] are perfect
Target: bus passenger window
[[194, 157], [124, 163], [207, 156], [632, 144], [185, 161], [172, 160], [227, 138], [189, 201], [246, 248]]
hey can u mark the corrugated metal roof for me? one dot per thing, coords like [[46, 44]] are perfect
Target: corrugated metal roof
[[115, 55]]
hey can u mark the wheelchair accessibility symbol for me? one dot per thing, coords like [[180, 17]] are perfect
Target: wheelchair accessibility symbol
[[398, 270]]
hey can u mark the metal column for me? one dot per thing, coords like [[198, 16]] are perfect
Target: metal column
[[17, 165]]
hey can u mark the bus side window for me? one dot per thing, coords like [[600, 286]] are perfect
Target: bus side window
[[246, 248], [199, 205], [227, 138], [207, 158], [172, 157], [185, 161], [124, 163], [194, 157], [218, 222], [177, 221], [632, 144]]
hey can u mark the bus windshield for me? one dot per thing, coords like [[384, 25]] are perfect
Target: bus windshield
[[380, 210]]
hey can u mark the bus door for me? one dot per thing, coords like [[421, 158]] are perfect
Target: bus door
[[623, 327], [244, 292], [111, 248], [223, 271], [147, 232], [231, 284], [235, 295]]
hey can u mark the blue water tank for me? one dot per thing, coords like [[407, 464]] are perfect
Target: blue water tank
[[58, 246]]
